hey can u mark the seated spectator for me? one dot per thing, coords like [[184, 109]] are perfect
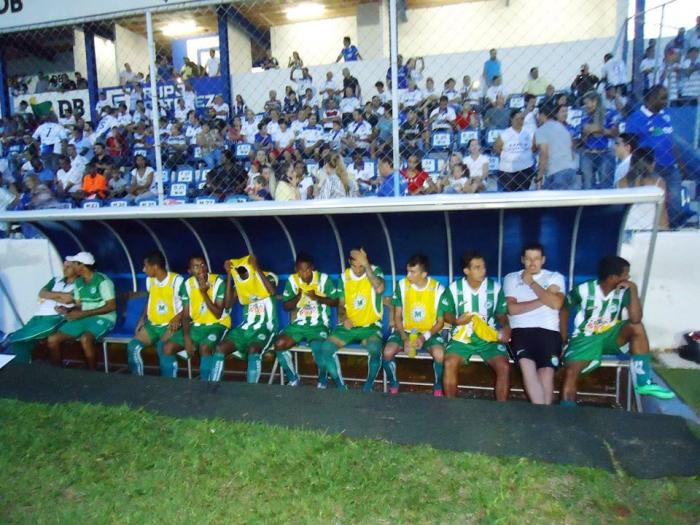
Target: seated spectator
[[498, 116], [303, 80], [351, 82], [272, 103], [443, 117], [641, 173], [349, 53], [625, 145], [358, 134], [584, 82], [334, 181], [466, 91], [272, 124], [249, 126], [412, 134], [431, 98], [283, 141], [450, 91], [228, 179], [181, 111], [468, 118], [143, 181], [287, 188], [363, 173], [221, 108], [233, 133], [348, 104], [477, 165], [330, 114], [311, 138], [299, 122], [95, 183], [334, 137], [211, 144], [69, 179], [307, 183], [383, 135], [383, 95], [329, 88], [291, 105], [412, 97], [193, 127], [176, 147], [239, 108], [458, 181], [309, 100], [263, 141], [40, 195], [270, 62], [43, 174], [495, 89], [117, 186], [419, 182], [535, 84], [260, 191], [557, 164], [455, 159], [116, 146]]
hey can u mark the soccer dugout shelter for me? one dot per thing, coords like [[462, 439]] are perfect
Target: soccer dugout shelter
[[576, 228]]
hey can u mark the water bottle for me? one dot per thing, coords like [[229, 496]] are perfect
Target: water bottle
[[412, 340]]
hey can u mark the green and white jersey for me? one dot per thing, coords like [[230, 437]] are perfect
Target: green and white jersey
[[487, 301], [95, 294], [261, 313], [597, 313], [191, 297], [310, 312], [58, 285]]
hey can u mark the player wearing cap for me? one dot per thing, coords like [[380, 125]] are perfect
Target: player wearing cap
[[93, 315]]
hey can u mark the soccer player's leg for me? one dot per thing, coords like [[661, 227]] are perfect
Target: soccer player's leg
[[436, 348], [582, 355], [54, 343], [167, 353], [373, 345], [256, 344], [340, 337], [21, 343], [394, 345], [205, 339], [636, 336], [146, 336], [456, 355], [290, 336], [496, 356]]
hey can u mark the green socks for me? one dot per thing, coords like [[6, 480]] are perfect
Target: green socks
[[254, 368], [318, 358], [641, 366], [284, 358], [133, 350], [331, 363], [206, 362], [390, 370], [168, 363], [374, 363], [218, 370], [437, 369]]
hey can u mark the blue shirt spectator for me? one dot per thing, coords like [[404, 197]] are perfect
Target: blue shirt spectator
[[492, 67], [349, 53], [402, 74], [655, 131], [595, 141]]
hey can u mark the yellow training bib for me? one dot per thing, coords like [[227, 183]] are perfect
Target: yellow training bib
[[251, 289], [161, 300], [199, 313], [362, 306], [419, 306]]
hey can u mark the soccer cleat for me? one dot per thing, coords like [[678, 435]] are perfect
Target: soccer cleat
[[437, 392], [367, 388], [654, 390], [321, 386], [296, 382], [393, 390]]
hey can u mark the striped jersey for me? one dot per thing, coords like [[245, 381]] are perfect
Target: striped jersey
[[261, 312], [95, 294], [310, 312], [487, 301], [191, 297], [597, 313]]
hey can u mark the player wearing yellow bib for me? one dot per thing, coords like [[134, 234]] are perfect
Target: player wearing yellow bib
[[204, 320], [359, 292], [309, 294], [161, 315], [599, 328], [255, 290], [473, 305], [418, 310]]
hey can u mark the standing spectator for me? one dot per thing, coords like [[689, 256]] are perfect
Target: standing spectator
[[415, 68], [419, 182], [693, 36], [654, 129], [678, 42], [401, 75], [670, 73], [598, 128], [557, 166], [213, 66], [614, 72], [516, 163], [351, 82], [690, 68], [295, 61], [584, 82], [165, 69], [492, 69], [625, 145], [126, 76], [349, 53], [535, 85], [302, 82], [648, 68], [51, 136]]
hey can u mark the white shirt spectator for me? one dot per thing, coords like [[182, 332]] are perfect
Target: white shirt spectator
[[411, 98], [181, 113], [615, 71], [493, 91], [542, 317], [621, 170], [283, 138], [212, 67], [141, 179], [334, 137], [443, 117], [126, 77], [297, 126], [328, 84], [690, 86], [476, 166], [311, 135], [141, 117], [191, 133], [219, 108], [124, 119], [273, 128], [67, 122], [366, 173], [106, 124], [530, 121], [361, 131], [384, 96], [517, 150], [349, 104], [101, 104], [302, 84], [51, 134], [190, 98], [249, 129], [649, 63], [73, 176], [334, 113], [79, 163]]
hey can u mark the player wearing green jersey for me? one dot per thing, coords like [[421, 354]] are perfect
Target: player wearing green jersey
[[310, 295], [359, 292], [94, 314], [474, 304], [255, 290], [203, 323], [599, 328], [58, 292]]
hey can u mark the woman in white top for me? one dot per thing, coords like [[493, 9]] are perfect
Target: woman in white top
[[455, 159], [641, 173], [336, 183], [415, 68], [143, 181], [478, 165], [515, 147]]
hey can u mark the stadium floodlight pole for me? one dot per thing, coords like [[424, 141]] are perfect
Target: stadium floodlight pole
[[393, 54], [155, 107]]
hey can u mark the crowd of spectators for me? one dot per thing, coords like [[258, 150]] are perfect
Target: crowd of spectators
[[333, 138]]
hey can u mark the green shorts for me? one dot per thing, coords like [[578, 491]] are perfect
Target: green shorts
[[154, 332], [38, 327], [593, 347], [485, 349], [96, 325], [242, 338], [436, 340], [206, 334], [299, 334], [356, 334]]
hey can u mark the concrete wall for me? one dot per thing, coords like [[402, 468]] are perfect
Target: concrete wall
[[132, 48], [240, 53], [106, 58], [317, 41]]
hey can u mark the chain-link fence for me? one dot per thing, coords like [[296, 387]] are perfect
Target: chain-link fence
[[269, 100]]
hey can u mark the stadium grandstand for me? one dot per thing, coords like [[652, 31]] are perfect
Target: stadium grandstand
[[375, 207]]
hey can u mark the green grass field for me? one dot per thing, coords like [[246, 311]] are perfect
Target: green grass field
[[685, 382], [88, 464]]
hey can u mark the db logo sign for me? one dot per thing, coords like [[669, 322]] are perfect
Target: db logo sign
[[13, 6]]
